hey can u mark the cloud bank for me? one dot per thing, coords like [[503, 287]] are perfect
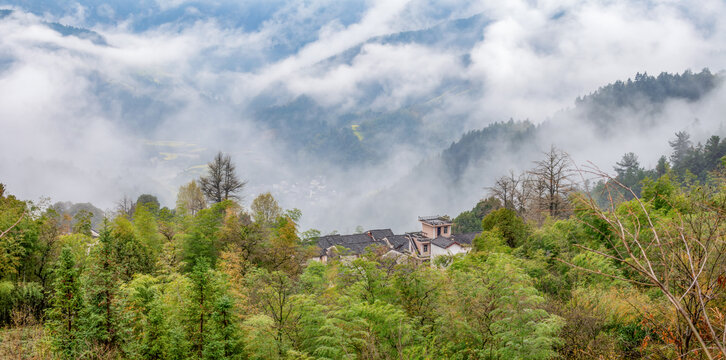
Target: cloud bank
[[179, 80]]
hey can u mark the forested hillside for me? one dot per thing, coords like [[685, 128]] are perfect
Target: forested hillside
[[560, 270], [605, 109]]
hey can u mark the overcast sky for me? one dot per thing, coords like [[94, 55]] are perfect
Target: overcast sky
[[175, 82]]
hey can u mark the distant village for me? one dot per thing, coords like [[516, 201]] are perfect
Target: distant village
[[435, 239]]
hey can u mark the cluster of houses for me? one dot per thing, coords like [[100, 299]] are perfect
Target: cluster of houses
[[434, 239]]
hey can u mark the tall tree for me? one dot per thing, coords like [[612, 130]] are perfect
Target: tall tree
[[630, 173], [662, 167], [130, 253], [82, 222], [149, 201], [102, 283], [552, 179], [221, 182], [190, 199], [64, 322], [202, 299], [505, 189], [17, 233], [681, 146], [265, 209], [125, 207], [273, 292], [225, 338]]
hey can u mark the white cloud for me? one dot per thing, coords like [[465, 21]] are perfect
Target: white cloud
[[70, 137]]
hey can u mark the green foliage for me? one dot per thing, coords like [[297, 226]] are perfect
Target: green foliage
[[82, 222], [259, 341], [146, 230], [202, 295], [497, 312], [29, 299], [377, 329], [491, 241], [659, 192], [150, 202], [64, 324], [129, 252], [470, 221], [310, 236], [265, 209], [7, 302], [20, 234], [225, 340], [213, 284], [510, 225], [201, 241], [102, 316], [190, 199], [313, 279], [419, 291], [364, 279]]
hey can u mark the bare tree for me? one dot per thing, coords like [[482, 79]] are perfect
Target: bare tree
[[221, 182], [506, 189], [683, 256], [125, 207], [552, 180]]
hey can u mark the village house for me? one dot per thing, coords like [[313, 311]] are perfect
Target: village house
[[435, 239]]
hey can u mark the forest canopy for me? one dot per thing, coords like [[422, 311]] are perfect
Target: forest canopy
[[551, 275]]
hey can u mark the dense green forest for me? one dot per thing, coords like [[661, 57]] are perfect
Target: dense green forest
[[561, 269]]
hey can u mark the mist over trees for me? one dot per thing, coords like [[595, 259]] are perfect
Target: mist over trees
[[555, 272]]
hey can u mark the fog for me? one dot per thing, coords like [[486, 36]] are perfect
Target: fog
[[84, 121]]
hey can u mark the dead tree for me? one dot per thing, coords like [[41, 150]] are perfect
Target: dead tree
[[221, 182], [551, 180], [125, 207], [505, 189]]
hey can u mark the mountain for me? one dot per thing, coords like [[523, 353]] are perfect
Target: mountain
[[80, 33], [70, 210], [607, 123], [646, 95]]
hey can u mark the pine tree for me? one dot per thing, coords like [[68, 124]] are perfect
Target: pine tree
[[221, 182], [130, 254], [102, 282], [224, 336], [202, 297], [154, 342], [64, 324], [147, 231]]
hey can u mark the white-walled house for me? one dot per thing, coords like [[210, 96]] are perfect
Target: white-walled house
[[435, 239]]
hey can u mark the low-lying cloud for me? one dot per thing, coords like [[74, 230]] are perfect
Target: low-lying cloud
[[83, 121]]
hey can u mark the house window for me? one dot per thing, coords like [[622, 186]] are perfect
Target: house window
[[426, 248], [446, 229]]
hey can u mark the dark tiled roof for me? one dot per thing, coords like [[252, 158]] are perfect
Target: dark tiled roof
[[442, 242], [356, 243], [461, 239], [324, 242], [379, 234], [399, 242], [465, 238]]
